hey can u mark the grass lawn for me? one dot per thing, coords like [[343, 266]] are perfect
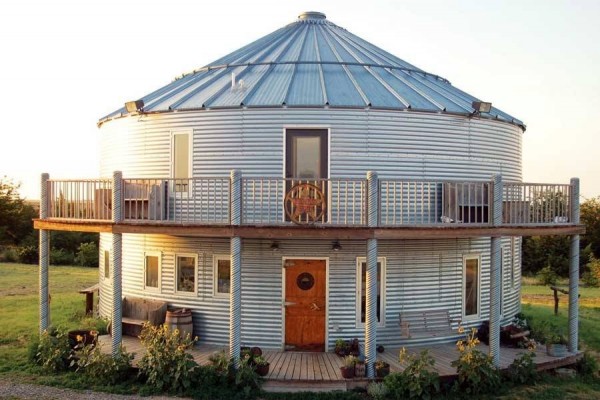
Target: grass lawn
[[19, 299]]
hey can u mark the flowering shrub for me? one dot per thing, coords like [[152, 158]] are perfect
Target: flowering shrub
[[166, 364], [417, 381], [101, 368], [476, 371], [53, 350]]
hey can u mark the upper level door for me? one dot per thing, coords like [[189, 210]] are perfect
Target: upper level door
[[306, 172]]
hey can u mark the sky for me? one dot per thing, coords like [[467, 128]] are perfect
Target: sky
[[67, 63]]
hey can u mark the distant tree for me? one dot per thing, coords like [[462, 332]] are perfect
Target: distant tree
[[590, 216], [15, 214]]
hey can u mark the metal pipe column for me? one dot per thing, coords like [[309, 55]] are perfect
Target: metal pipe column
[[371, 278], [117, 301], [44, 254], [495, 275], [235, 291], [574, 271]]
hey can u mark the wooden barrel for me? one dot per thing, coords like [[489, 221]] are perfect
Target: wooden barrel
[[181, 320]]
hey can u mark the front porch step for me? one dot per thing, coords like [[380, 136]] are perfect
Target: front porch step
[[281, 386]]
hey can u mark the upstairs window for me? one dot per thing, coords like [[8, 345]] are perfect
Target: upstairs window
[[182, 164]]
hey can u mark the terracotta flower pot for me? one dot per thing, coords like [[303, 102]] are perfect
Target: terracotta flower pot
[[382, 371], [262, 369], [347, 372]]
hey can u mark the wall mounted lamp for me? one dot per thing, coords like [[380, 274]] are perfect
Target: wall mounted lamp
[[336, 246], [274, 246], [481, 107], [134, 106]]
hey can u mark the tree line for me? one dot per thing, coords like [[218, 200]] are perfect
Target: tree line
[[19, 242]]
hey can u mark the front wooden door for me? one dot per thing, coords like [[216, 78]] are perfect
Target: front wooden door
[[305, 305]]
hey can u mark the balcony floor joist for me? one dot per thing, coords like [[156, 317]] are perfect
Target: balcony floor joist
[[312, 232]]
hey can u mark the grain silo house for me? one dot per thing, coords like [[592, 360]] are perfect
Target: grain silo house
[[310, 187]]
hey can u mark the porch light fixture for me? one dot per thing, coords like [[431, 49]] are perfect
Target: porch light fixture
[[481, 107], [274, 246], [336, 246], [134, 106]]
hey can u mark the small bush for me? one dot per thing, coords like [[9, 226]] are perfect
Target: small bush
[[87, 255], [61, 257], [28, 255], [417, 381], [53, 351], [100, 368], [591, 277], [477, 373], [377, 390], [166, 364], [523, 370], [547, 276], [587, 365], [9, 254]]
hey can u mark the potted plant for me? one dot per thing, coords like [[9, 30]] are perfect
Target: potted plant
[[341, 347], [261, 365], [359, 369], [347, 369], [382, 368], [556, 345]]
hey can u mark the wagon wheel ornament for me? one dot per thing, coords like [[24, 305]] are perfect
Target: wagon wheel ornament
[[305, 203]]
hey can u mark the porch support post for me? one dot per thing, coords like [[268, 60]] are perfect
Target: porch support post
[[117, 238], [574, 271], [44, 253], [495, 276], [371, 276], [235, 288]]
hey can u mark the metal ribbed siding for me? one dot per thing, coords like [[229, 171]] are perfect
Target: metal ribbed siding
[[420, 274], [395, 144]]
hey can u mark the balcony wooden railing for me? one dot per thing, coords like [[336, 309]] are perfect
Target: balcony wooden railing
[[326, 202]]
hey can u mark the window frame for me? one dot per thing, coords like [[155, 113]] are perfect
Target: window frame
[[107, 267], [358, 294], [216, 259], [464, 284], [189, 134], [159, 285], [176, 269]]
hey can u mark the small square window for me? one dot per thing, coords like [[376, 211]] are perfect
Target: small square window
[[222, 275], [186, 273]]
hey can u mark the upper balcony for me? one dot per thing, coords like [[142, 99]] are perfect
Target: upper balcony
[[336, 207]]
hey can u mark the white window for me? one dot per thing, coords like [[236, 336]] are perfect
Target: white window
[[361, 291], [182, 162], [512, 262], [222, 275], [152, 271], [471, 286], [185, 270], [106, 264]]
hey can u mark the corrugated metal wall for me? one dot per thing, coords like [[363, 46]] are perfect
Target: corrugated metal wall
[[420, 274], [406, 145]]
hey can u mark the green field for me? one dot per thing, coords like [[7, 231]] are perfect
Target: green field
[[19, 326]]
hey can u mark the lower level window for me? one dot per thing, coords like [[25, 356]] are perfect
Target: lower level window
[[471, 283], [106, 264], [186, 273], [152, 271], [222, 275], [361, 290]]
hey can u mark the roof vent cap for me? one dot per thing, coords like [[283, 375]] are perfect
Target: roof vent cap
[[312, 15]]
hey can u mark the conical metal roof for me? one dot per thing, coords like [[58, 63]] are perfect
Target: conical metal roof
[[312, 63]]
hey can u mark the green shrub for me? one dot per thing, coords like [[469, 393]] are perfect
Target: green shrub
[[547, 276], [61, 257], [53, 351], [100, 368], [87, 255], [477, 373], [28, 254], [587, 365], [9, 254], [377, 390], [591, 277], [417, 381], [523, 370], [166, 364]]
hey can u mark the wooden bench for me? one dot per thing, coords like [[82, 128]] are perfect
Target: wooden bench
[[136, 311], [430, 323]]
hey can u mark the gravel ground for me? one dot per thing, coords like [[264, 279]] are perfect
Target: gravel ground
[[9, 390]]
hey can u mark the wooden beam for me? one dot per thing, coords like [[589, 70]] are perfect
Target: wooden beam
[[73, 226]]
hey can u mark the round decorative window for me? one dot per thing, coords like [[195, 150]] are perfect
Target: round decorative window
[[305, 281]]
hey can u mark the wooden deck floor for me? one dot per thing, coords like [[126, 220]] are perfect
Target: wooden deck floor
[[323, 368]]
